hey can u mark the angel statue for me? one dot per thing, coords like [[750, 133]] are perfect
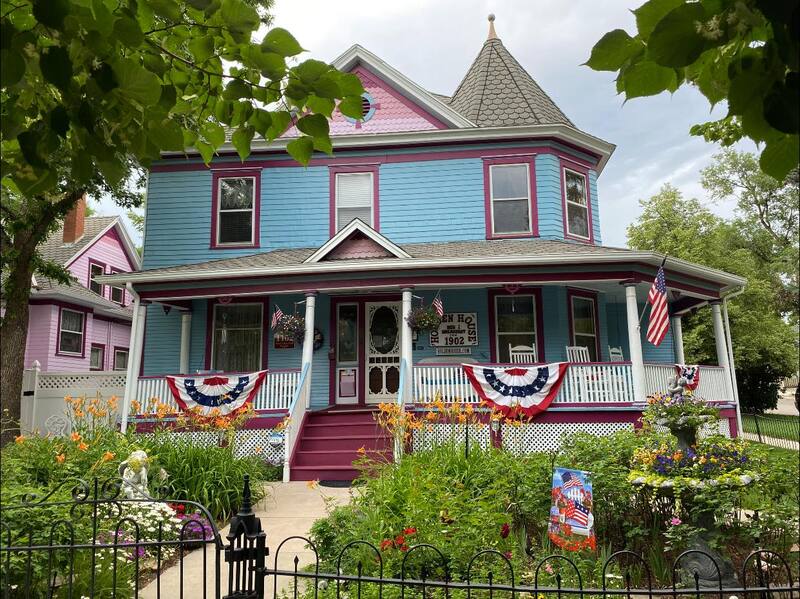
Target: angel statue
[[677, 385], [134, 475]]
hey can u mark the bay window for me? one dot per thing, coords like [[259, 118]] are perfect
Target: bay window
[[236, 340]]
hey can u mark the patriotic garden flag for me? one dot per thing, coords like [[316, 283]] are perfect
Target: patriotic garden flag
[[690, 373], [571, 525], [517, 390], [205, 393], [659, 315], [276, 316]]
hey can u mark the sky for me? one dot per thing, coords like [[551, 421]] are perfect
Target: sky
[[434, 43]]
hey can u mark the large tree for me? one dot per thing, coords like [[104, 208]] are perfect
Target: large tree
[[764, 343], [743, 52], [94, 90]]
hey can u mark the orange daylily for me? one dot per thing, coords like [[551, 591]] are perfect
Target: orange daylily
[[60, 458], [83, 446], [19, 439], [108, 456], [75, 437]]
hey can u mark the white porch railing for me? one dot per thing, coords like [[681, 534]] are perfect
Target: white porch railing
[[275, 394], [711, 387], [297, 408], [446, 380]]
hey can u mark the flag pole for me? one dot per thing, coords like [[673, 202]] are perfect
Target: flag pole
[[646, 304]]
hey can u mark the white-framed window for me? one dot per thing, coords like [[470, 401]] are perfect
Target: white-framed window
[[97, 357], [510, 195], [515, 323], [236, 208], [120, 358], [354, 198], [576, 198], [70, 332], [584, 324], [118, 295], [236, 342], [94, 271]]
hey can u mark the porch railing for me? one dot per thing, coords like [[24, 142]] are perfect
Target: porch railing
[[297, 409], [712, 384], [275, 394]]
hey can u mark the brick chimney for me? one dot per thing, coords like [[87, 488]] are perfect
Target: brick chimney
[[74, 221]]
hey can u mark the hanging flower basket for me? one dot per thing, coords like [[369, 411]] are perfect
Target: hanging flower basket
[[291, 326], [424, 318]]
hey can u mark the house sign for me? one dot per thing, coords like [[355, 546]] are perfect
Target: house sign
[[457, 329]]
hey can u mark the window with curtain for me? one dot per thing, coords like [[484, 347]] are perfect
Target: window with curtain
[[515, 321], [511, 198], [237, 337], [70, 334], [354, 198], [577, 204], [584, 324], [235, 210], [120, 359]]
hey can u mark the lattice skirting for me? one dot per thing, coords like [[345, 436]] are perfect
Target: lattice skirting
[[439, 434], [256, 442], [549, 436]]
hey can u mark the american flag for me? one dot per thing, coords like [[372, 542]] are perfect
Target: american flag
[[276, 317], [438, 305], [577, 512], [659, 315], [570, 481]]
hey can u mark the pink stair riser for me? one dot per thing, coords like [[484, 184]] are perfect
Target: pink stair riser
[[332, 458], [345, 430], [323, 473], [350, 442]]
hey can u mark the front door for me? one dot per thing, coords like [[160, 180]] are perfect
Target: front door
[[382, 343]]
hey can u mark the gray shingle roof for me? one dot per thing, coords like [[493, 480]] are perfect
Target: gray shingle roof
[[46, 288], [498, 92], [56, 250]]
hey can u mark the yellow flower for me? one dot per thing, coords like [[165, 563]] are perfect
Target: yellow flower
[[108, 456], [19, 439], [75, 437], [312, 484], [60, 458]]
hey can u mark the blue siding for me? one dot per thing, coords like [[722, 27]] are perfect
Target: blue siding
[[462, 300], [556, 323], [295, 207], [618, 336], [162, 341], [548, 197], [595, 207]]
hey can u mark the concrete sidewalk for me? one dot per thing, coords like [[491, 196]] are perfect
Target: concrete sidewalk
[[288, 510]]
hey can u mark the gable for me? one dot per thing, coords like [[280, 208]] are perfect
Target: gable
[[356, 241], [356, 247]]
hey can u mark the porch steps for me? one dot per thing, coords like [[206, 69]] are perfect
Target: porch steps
[[330, 441]]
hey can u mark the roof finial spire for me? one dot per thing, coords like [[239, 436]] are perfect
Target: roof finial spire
[[492, 32]]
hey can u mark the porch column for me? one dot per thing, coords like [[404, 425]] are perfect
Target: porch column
[[732, 366], [677, 339], [635, 342], [186, 337], [308, 339], [722, 350], [406, 353], [134, 356]]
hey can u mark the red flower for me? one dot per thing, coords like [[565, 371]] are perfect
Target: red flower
[[410, 531], [508, 554], [404, 548], [386, 544], [504, 530], [400, 540], [178, 507]]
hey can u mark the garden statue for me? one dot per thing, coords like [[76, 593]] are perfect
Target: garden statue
[[134, 475], [677, 385]]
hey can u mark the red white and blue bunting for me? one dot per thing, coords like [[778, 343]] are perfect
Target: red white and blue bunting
[[226, 393], [690, 373], [517, 390]]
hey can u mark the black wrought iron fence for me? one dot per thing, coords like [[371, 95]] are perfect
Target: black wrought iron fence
[[773, 429]]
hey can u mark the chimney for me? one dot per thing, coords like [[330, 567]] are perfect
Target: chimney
[[74, 221]]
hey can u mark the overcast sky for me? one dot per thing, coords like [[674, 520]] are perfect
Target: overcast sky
[[434, 42]]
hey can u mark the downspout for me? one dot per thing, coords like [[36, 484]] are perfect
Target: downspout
[[729, 343]]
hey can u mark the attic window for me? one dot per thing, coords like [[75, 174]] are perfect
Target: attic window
[[368, 107]]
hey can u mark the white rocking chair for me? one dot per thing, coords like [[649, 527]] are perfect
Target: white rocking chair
[[615, 354], [577, 354], [522, 354]]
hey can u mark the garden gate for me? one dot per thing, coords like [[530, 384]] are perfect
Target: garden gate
[[100, 544]]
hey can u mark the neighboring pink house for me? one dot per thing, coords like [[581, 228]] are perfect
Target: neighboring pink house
[[85, 325]]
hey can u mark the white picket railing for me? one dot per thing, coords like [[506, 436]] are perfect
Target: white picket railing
[[712, 384], [275, 394], [297, 408], [447, 381]]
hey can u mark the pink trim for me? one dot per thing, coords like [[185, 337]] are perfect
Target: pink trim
[[524, 151], [539, 307], [161, 376], [592, 295], [102, 265], [530, 161], [216, 175], [575, 167], [72, 308], [211, 302], [121, 321], [98, 346], [114, 356], [337, 169]]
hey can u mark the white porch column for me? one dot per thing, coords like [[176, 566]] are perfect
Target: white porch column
[[732, 366], [677, 339], [406, 353], [722, 349], [134, 356], [635, 342], [186, 337], [308, 339]]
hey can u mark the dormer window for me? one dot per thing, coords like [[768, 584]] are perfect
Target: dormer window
[[354, 195], [577, 217], [510, 208], [235, 205], [95, 270]]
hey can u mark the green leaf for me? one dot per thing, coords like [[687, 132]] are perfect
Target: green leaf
[[323, 144], [674, 42], [746, 88], [613, 49], [56, 66], [59, 121], [280, 121], [327, 87], [166, 135], [310, 70], [51, 12], [12, 67], [780, 105], [168, 98], [648, 79], [29, 146], [201, 47], [236, 89], [206, 151], [318, 105], [351, 106], [128, 32], [780, 156], [103, 76], [281, 42], [273, 66], [166, 8], [710, 74], [214, 134], [240, 18], [314, 125], [241, 141], [301, 149], [199, 4], [113, 171], [261, 121], [651, 12], [136, 82], [350, 85]]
